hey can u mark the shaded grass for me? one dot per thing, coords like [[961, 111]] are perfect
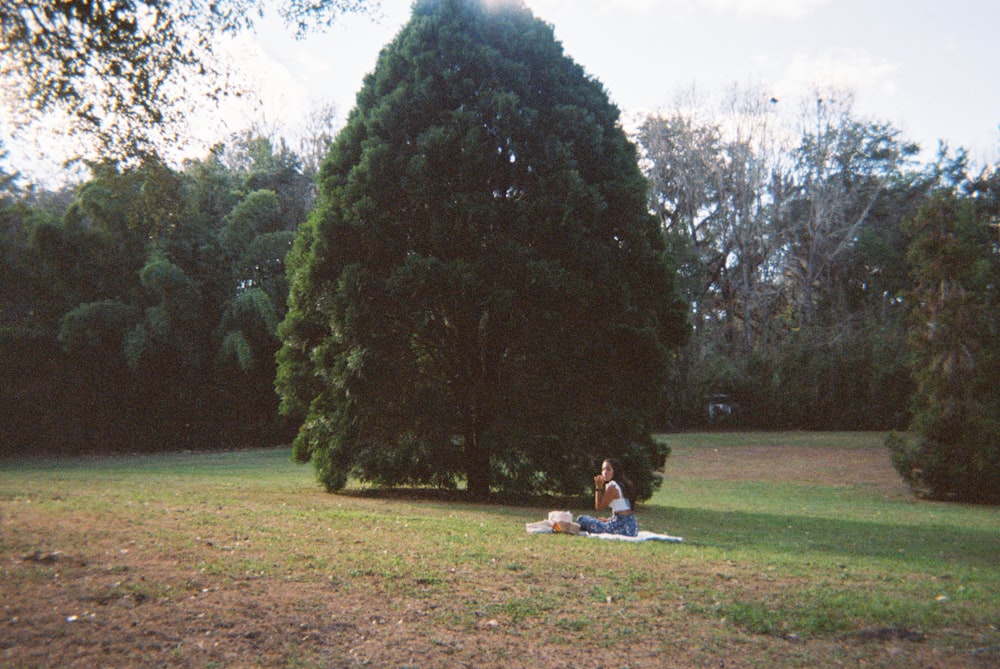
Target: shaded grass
[[771, 559], [795, 538]]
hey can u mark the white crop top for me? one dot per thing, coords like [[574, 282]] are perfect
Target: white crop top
[[619, 503]]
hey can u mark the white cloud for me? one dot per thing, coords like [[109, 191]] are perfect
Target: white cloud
[[658, 9], [791, 9], [852, 69], [547, 9]]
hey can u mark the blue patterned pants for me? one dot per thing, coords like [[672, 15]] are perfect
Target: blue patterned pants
[[617, 525]]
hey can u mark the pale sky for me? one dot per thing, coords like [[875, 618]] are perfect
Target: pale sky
[[928, 67]]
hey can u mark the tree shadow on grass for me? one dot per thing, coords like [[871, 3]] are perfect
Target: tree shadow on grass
[[800, 535], [735, 530], [409, 494]]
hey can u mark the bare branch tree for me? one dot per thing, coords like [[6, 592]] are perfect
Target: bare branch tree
[[842, 166]]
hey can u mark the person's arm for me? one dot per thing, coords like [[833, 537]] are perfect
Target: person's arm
[[603, 494]]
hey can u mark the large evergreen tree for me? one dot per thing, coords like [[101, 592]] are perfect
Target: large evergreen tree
[[481, 292], [952, 450]]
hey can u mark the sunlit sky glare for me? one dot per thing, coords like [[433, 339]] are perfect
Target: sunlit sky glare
[[928, 67]]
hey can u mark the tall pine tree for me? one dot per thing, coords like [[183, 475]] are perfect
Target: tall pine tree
[[481, 293], [952, 450]]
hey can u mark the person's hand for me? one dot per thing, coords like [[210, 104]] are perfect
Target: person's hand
[[599, 481]]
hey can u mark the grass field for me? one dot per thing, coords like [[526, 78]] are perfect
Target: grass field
[[801, 550]]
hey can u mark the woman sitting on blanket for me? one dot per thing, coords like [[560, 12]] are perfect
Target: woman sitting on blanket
[[615, 495]]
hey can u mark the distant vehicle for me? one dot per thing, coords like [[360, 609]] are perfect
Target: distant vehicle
[[720, 406]]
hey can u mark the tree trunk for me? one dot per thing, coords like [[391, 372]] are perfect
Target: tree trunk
[[477, 464]]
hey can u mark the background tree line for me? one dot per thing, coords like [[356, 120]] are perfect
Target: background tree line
[[792, 255], [138, 309], [793, 239], [835, 282]]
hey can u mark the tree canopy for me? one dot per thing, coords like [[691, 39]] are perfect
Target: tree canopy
[[952, 449], [481, 292], [481, 295], [117, 67], [142, 315]]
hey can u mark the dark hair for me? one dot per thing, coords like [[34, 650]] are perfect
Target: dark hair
[[628, 490]]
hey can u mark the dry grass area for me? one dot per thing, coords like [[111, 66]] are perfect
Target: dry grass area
[[826, 466], [204, 572]]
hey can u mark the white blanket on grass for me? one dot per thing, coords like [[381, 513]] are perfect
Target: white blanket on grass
[[643, 535], [545, 527]]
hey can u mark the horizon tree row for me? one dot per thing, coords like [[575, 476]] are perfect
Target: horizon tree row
[[792, 251], [138, 310], [494, 286]]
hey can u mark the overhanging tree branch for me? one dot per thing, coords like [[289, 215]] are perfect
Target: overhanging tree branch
[[118, 69]]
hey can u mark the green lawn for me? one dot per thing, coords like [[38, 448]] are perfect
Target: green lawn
[[773, 572]]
